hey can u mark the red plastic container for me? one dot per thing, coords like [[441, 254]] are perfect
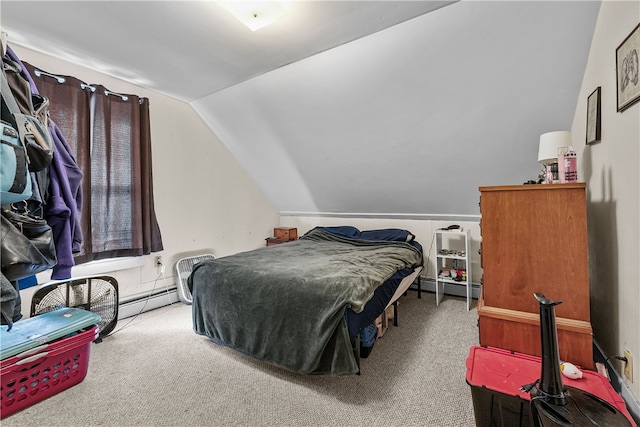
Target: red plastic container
[[496, 377], [39, 373]]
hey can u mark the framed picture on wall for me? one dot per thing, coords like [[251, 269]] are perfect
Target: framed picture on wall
[[593, 117], [627, 78]]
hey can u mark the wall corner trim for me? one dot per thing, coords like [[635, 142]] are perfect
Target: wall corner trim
[[381, 215]]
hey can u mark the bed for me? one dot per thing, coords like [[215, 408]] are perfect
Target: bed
[[304, 304]]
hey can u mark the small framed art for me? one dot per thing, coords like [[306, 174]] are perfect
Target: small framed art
[[593, 117], [627, 77]]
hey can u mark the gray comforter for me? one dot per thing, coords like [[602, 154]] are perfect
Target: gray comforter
[[286, 304]]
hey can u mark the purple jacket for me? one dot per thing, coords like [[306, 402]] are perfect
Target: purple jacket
[[62, 210], [63, 206]]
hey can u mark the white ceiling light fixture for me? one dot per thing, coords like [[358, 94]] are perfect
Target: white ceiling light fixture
[[256, 14]]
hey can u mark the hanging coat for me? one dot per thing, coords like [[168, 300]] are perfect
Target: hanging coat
[[64, 201]]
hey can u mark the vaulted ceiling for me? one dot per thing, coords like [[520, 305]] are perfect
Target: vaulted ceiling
[[347, 107]]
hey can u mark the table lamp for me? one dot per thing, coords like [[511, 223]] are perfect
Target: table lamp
[[550, 142]]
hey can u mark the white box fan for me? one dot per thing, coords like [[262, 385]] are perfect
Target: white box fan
[[183, 270]]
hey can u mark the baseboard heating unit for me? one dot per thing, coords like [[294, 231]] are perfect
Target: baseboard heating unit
[[136, 304]]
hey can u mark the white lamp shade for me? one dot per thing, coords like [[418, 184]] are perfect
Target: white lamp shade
[[550, 142]]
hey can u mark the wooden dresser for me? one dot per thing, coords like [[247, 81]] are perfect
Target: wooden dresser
[[534, 239]]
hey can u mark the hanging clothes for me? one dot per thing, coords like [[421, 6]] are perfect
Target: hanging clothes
[[64, 199]]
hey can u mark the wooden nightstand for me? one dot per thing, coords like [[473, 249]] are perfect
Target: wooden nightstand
[[282, 235]]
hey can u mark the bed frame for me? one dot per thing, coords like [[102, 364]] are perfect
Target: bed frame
[[402, 290]]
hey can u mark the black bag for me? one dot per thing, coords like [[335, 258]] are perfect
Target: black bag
[[27, 245], [41, 108], [37, 141], [34, 133], [10, 302]]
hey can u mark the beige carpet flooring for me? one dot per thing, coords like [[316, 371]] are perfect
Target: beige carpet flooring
[[155, 371]]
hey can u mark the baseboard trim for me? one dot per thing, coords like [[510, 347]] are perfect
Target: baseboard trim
[[618, 383], [140, 303]]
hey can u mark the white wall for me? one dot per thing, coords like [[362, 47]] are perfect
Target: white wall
[[205, 203], [610, 169], [397, 121]]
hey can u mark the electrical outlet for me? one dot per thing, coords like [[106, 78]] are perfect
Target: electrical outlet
[[628, 366], [159, 261]]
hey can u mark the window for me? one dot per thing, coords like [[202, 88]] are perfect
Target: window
[[108, 135]]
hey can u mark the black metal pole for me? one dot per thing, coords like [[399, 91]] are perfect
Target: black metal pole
[[551, 385]]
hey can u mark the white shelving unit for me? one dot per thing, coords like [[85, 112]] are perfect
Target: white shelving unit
[[452, 254]]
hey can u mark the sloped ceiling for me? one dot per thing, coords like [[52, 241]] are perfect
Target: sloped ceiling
[[405, 119], [190, 49]]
